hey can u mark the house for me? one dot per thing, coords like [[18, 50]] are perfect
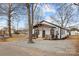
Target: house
[[5, 30], [23, 31], [47, 30], [1, 30], [74, 31]]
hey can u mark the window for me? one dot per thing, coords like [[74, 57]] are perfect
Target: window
[[52, 31], [43, 33]]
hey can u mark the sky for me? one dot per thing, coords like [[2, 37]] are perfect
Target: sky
[[51, 11], [45, 11]]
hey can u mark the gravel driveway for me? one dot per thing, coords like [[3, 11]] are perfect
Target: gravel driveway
[[40, 48]]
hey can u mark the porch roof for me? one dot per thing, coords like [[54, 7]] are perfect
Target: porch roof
[[43, 25]]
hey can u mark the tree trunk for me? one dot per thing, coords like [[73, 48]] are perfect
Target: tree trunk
[[32, 16], [17, 26], [9, 28], [30, 24], [9, 21]]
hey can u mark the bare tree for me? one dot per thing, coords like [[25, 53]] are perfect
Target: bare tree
[[11, 11], [34, 6], [31, 18], [29, 22], [17, 21], [9, 19], [64, 15], [38, 14]]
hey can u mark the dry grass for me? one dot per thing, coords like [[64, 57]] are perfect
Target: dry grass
[[15, 37], [74, 37]]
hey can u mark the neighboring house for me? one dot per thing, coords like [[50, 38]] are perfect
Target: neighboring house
[[5, 30], [48, 30], [74, 31], [24, 31], [1, 32]]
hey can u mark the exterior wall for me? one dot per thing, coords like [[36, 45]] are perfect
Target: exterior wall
[[56, 32], [47, 31], [64, 34]]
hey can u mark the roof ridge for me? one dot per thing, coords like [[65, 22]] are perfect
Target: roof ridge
[[53, 24]]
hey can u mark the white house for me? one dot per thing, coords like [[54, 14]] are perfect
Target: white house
[[74, 31], [48, 30]]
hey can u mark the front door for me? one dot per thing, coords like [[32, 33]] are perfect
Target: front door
[[52, 33], [43, 34], [36, 33]]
